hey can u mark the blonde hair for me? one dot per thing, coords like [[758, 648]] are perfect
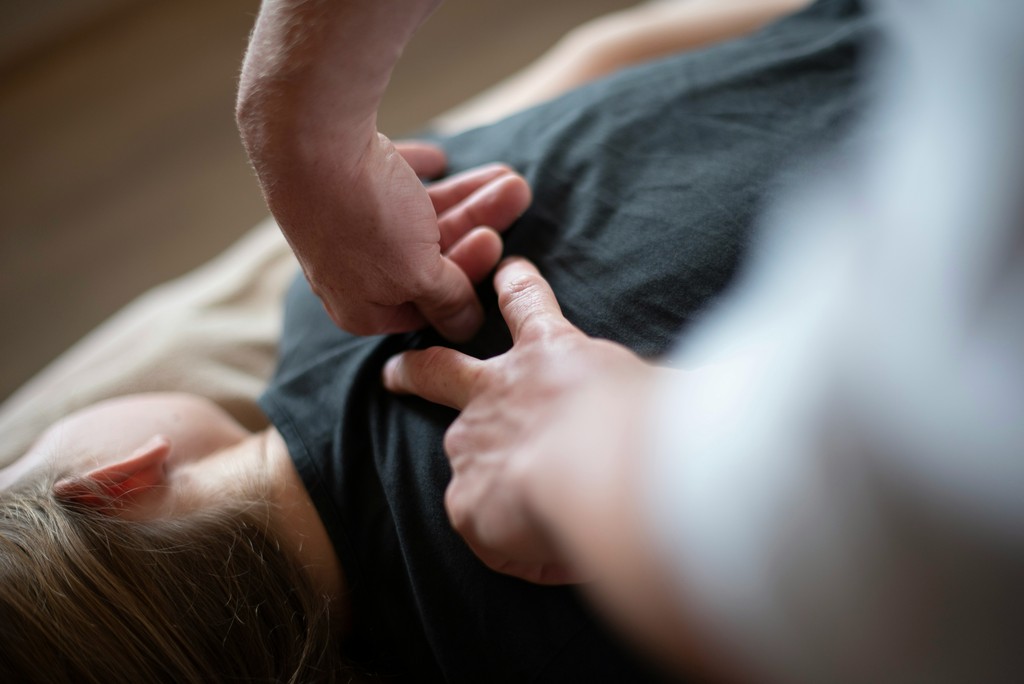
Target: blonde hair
[[89, 597]]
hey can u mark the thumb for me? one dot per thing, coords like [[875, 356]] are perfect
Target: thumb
[[451, 304]]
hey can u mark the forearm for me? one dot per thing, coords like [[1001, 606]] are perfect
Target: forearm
[[384, 253], [614, 41], [315, 73], [654, 29], [591, 500]]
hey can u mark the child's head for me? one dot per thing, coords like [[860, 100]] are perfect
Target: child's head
[[99, 583]]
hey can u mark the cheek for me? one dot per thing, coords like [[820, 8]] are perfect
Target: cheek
[[197, 430], [192, 439], [114, 429]]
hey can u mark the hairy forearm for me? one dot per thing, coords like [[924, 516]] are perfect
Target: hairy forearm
[[316, 71], [365, 229]]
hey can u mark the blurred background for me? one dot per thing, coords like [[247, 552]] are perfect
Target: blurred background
[[120, 165]]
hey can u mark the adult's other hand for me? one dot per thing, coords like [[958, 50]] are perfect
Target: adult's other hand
[[543, 428]]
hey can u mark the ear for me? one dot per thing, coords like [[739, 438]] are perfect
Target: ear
[[121, 481]]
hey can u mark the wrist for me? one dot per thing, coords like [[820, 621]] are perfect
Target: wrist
[[294, 149]]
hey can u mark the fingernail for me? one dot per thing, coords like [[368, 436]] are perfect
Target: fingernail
[[390, 369]]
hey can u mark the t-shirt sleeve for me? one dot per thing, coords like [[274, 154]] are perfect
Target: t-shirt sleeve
[[838, 481]]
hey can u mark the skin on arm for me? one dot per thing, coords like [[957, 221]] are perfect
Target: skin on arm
[[547, 465], [615, 41], [349, 201]]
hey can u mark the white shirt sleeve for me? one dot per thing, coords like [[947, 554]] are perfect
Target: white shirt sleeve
[[838, 482]]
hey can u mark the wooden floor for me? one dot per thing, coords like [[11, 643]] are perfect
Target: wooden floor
[[120, 166]]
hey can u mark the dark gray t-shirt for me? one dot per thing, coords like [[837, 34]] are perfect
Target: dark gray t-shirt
[[646, 188]]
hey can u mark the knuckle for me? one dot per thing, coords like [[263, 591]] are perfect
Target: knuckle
[[458, 513], [455, 439], [345, 312], [450, 305], [546, 335], [359, 321], [348, 320], [360, 327], [416, 283], [474, 378], [523, 295], [523, 285], [503, 167], [431, 357], [446, 297], [542, 328]]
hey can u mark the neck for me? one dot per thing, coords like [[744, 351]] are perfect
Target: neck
[[297, 525], [293, 520]]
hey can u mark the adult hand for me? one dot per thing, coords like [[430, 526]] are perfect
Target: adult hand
[[543, 431], [385, 253]]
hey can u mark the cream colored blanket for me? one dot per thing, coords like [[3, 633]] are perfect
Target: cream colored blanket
[[212, 332]]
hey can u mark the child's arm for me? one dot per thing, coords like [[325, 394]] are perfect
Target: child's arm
[[604, 45]]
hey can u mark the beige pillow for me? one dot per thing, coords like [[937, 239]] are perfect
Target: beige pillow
[[212, 332]]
